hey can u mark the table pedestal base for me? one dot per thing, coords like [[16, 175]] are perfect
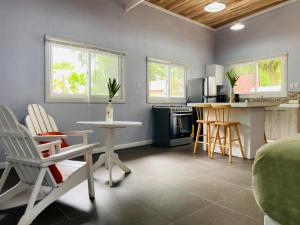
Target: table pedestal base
[[109, 158]]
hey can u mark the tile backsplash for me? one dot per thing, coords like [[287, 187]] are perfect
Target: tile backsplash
[[291, 96]]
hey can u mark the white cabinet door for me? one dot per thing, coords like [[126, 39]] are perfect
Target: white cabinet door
[[280, 123]]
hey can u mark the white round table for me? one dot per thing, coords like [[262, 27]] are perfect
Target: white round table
[[110, 158]]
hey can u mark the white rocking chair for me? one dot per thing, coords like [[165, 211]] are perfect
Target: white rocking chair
[[38, 121], [24, 155]]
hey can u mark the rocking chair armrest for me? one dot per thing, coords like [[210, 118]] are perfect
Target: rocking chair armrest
[[68, 154], [78, 133], [49, 137], [50, 145]]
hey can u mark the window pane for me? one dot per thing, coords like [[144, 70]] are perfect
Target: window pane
[[69, 71], [177, 82], [246, 83], [270, 75], [158, 80], [103, 67]]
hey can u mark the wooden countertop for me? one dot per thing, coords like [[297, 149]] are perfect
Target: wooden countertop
[[243, 104]]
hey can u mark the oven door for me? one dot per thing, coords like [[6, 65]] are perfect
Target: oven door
[[181, 125]]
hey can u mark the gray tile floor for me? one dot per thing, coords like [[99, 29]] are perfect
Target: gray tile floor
[[166, 187]]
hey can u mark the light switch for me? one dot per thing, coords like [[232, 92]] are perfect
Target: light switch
[[296, 85], [138, 85], [291, 84]]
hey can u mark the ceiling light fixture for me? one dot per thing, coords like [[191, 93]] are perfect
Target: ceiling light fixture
[[237, 26], [215, 7]]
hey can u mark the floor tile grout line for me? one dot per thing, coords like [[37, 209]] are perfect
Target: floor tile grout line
[[228, 182], [153, 211], [184, 166], [161, 179], [234, 210], [224, 181], [202, 197], [244, 188], [239, 192], [64, 213], [140, 205], [181, 190], [211, 201], [188, 192], [192, 193], [195, 212], [178, 189]]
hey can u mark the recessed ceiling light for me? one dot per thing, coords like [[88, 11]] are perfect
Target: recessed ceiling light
[[215, 7], [237, 26]]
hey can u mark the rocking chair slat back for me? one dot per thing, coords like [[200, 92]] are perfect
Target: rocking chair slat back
[[20, 148], [38, 121]]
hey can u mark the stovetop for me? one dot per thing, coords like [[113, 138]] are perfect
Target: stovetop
[[174, 108]]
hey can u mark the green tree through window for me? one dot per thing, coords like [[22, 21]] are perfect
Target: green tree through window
[[262, 76], [82, 73], [103, 67], [270, 72], [166, 80]]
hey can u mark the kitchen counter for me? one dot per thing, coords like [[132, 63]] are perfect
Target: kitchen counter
[[285, 106], [243, 104], [251, 116]]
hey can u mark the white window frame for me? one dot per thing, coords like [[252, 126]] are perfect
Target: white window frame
[[284, 80], [169, 99], [50, 97]]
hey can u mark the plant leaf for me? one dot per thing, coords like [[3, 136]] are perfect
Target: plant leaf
[[113, 87]]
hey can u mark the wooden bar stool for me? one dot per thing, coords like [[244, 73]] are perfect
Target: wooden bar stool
[[222, 121], [202, 111]]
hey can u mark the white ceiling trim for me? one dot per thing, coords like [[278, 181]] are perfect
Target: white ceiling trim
[[130, 4], [223, 27], [258, 14], [178, 16]]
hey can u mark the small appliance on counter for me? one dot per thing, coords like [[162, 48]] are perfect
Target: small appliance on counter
[[172, 125], [222, 96]]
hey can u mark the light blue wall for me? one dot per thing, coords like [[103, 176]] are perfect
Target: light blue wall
[[142, 32], [271, 33]]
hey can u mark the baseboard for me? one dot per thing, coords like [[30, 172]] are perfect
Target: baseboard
[[127, 145]]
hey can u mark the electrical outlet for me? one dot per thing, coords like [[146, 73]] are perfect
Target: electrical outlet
[[296, 85], [291, 84]]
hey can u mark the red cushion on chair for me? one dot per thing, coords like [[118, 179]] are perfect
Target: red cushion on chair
[[54, 170], [64, 144]]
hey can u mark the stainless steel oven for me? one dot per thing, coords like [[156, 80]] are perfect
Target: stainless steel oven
[[172, 125]]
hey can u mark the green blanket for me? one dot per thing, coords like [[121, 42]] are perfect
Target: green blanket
[[276, 180]]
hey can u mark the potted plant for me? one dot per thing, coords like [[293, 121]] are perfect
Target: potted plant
[[232, 77], [113, 88]]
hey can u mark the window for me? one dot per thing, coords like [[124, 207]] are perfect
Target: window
[[166, 82], [265, 77], [79, 73]]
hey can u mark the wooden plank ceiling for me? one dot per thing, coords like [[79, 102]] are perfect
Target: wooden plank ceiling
[[235, 9]]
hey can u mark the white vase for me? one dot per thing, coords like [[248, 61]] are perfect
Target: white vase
[[109, 112], [231, 96]]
